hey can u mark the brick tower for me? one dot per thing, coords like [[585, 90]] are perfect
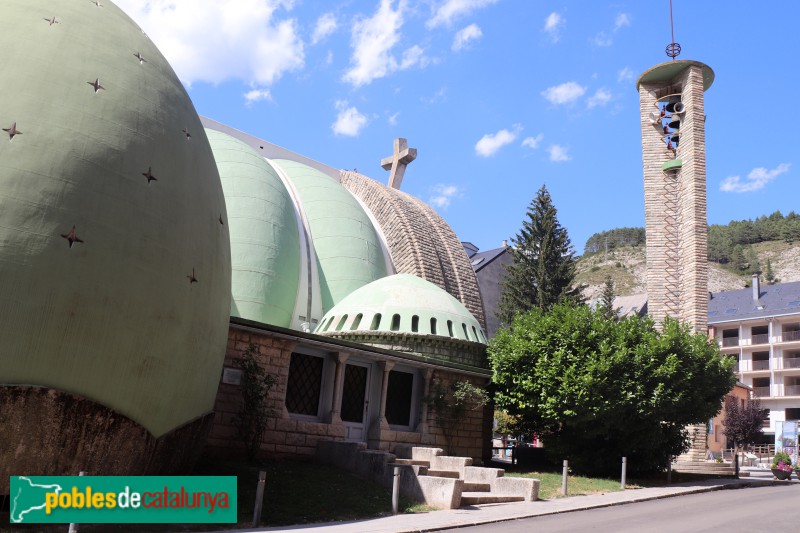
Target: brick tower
[[674, 159]]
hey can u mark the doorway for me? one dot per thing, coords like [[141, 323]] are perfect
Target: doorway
[[355, 401]]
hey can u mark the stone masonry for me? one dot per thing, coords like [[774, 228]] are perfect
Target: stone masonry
[[675, 202], [419, 240]]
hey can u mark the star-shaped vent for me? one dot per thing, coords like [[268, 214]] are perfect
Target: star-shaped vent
[[12, 131], [149, 175], [72, 237], [96, 85]]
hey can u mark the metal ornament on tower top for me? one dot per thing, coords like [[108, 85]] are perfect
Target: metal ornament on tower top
[[673, 50]]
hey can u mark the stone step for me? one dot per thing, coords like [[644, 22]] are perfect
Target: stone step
[[477, 487], [478, 498], [417, 462], [444, 473]]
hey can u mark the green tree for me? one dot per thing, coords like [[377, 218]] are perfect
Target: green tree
[[543, 267], [253, 414], [769, 275], [607, 298], [597, 389]]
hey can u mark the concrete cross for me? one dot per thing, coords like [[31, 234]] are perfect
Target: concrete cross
[[403, 155]]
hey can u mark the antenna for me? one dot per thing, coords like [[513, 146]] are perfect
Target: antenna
[[673, 48]]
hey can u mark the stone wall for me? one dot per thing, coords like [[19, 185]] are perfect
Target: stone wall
[[288, 437]]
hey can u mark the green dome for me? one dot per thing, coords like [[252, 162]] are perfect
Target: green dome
[[403, 303], [114, 250], [265, 243], [348, 249]]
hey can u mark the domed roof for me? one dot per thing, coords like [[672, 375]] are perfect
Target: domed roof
[[347, 246], [114, 250], [265, 243], [403, 303]]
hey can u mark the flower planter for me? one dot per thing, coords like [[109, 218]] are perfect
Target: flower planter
[[781, 474]]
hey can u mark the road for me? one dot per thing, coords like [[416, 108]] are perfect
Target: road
[[769, 509]]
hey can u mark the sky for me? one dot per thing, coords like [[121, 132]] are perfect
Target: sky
[[499, 97]]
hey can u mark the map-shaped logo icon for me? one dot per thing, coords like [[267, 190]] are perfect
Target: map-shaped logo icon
[[28, 500]]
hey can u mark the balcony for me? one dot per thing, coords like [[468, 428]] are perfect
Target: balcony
[[791, 390], [788, 336], [730, 341], [762, 338], [761, 392], [791, 362], [761, 365]]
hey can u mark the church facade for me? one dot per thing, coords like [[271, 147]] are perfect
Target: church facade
[[144, 250]]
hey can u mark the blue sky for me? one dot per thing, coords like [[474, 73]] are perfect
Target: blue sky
[[498, 96]]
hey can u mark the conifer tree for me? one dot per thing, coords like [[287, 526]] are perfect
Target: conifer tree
[[543, 267], [607, 298]]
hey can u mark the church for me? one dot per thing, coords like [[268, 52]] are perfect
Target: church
[[144, 250]]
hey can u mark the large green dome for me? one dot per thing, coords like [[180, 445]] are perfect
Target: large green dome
[[265, 243], [114, 250], [403, 303]]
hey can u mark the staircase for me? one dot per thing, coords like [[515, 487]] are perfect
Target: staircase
[[694, 460], [480, 485], [428, 476]]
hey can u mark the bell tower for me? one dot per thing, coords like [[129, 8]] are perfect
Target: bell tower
[[674, 158]]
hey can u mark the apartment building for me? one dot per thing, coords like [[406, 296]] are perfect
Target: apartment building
[[760, 327]]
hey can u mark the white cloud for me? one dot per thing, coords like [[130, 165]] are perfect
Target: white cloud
[[464, 36], [564, 94], [626, 74], [372, 40], [623, 19], [449, 10], [558, 153], [439, 96], [533, 142], [442, 195], [489, 144], [256, 95], [393, 118], [208, 41], [326, 25], [756, 180], [349, 121], [600, 97], [602, 39], [553, 25]]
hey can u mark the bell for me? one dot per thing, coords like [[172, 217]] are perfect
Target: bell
[[676, 139], [675, 123], [670, 107]]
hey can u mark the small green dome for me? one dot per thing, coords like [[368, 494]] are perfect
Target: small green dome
[[265, 243], [403, 303], [114, 247], [348, 249]]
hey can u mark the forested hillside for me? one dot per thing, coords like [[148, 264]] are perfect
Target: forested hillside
[[769, 245]]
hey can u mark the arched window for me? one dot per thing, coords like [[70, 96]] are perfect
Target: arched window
[[395, 323], [356, 322], [376, 322], [433, 326], [415, 323], [450, 328], [340, 325], [466, 335]]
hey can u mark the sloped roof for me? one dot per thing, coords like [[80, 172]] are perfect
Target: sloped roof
[[774, 300], [481, 259]]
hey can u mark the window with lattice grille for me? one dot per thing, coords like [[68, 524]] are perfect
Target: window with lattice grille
[[304, 385], [398, 398], [354, 390]]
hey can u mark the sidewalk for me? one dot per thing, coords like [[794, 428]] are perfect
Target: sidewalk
[[487, 514]]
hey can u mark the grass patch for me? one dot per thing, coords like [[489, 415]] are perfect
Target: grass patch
[[550, 484]]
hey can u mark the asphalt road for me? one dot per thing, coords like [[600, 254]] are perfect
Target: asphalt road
[[755, 509]]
